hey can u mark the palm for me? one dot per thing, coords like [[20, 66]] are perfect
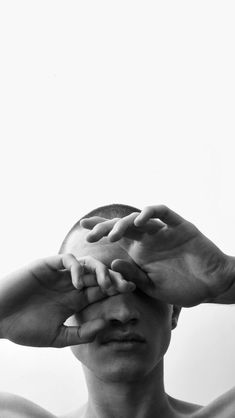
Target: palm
[[181, 263], [146, 246], [38, 318], [35, 306]]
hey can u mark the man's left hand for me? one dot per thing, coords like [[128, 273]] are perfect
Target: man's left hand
[[184, 267]]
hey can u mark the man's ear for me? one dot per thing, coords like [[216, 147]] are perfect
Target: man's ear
[[175, 316]]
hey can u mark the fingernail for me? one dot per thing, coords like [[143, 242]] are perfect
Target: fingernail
[[132, 286], [107, 282], [79, 286]]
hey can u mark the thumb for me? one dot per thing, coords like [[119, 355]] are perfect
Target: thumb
[[132, 272], [72, 335]]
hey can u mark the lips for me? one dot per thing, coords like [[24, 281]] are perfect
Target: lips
[[123, 338]]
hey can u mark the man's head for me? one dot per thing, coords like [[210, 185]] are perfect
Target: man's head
[[145, 321]]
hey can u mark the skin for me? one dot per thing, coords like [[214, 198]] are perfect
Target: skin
[[37, 300], [183, 266], [122, 374], [142, 249]]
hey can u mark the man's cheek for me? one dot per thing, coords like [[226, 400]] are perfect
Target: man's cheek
[[161, 309]]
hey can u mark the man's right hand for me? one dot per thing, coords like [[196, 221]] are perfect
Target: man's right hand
[[37, 300]]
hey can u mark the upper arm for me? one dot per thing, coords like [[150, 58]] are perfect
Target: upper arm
[[14, 406]]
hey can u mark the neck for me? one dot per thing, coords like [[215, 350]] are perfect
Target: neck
[[145, 397]]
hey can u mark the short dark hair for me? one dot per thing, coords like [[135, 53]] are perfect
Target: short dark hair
[[115, 210]]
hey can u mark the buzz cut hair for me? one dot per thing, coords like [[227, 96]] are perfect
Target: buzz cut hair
[[115, 210]]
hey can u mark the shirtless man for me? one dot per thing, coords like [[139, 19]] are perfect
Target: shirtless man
[[121, 285]]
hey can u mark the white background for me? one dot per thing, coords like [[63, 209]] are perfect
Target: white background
[[117, 101]]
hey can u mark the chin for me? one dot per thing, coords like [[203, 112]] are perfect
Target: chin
[[122, 370], [113, 365]]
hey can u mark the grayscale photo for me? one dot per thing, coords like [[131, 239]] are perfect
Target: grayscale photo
[[117, 273]]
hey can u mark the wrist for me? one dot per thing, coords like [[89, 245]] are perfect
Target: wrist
[[227, 280]]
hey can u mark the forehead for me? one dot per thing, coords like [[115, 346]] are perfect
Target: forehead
[[102, 250]]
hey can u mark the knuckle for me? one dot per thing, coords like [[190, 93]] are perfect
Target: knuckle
[[68, 257], [191, 227], [79, 331], [118, 223], [88, 259], [164, 208], [79, 265], [133, 215], [98, 227], [115, 219], [148, 209], [104, 268], [58, 342]]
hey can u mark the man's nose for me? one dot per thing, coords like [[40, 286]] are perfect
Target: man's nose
[[121, 309]]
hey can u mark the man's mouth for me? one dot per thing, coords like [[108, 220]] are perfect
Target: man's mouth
[[123, 339]]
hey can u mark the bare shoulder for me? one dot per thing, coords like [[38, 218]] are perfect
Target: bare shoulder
[[14, 406], [221, 407], [185, 409]]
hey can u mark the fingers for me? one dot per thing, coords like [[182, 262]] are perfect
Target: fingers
[[88, 272], [76, 269], [117, 228], [91, 265], [120, 285], [161, 212], [68, 262], [82, 334], [90, 295], [152, 218], [125, 227], [109, 281], [120, 227], [79, 300], [89, 223], [101, 230], [133, 273], [76, 301]]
